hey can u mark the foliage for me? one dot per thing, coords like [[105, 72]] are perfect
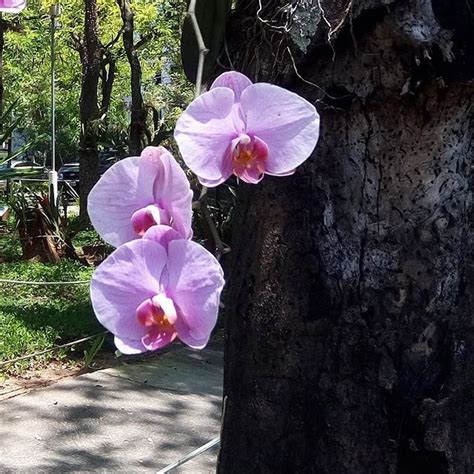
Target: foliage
[[93, 350], [42, 231], [10, 246], [8, 125], [27, 49]]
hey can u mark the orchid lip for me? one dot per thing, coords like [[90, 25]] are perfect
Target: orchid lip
[[148, 216], [158, 315], [249, 157]]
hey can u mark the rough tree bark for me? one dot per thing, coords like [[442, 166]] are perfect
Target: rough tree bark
[[138, 112], [349, 326], [91, 52]]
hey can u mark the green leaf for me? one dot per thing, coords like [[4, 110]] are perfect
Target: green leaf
[[19, 151], [6, 134], [211, 16], [95, 347]]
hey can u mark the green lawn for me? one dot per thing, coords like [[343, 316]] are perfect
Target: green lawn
[[35, 318]]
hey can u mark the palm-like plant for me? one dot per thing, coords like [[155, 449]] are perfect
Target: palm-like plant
[[41, 229]]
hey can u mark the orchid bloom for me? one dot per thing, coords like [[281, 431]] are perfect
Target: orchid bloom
[[139, 192], [246, 129], [12, 6], [152, 290]]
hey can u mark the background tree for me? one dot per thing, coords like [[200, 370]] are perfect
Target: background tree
[[349, 329], [25, 52], [91, 53], [2, 44], [138, 112]]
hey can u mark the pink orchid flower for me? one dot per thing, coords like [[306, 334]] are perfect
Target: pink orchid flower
[[12, 6], [139, 192], [152, 290], [246, 129]]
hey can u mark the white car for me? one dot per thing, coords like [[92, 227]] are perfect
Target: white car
[[26, 165]]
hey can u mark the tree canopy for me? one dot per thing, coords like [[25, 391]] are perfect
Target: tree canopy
[[26, 70]]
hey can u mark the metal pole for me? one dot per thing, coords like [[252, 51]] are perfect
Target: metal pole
[[190, 456], [53, 92], [54, 11]]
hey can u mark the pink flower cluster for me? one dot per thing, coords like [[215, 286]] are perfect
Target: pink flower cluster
[[158, 285]]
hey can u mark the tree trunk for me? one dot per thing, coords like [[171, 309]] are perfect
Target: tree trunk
[[2, 45], [349, 329], [91, 53], [138, 112], [107, 75]]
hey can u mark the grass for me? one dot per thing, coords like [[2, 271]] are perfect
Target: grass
[[35, 318], [10, 248]]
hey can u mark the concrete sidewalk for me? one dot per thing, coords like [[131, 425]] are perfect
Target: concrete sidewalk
[[132, 418]]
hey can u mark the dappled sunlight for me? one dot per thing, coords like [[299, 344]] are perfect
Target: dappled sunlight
[[140, 415]]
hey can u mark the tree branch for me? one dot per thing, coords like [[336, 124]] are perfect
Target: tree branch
[[114, 40]]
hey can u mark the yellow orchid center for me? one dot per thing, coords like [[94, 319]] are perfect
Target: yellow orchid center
[[249, 157]]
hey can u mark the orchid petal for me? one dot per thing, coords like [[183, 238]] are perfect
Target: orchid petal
[[286, 122], [158, 337], [162, 234], [226, 173], [286, 173], [122, 190], [233, 80], [132, 274], [171, 190], [12, 6], [204, 132], [209, 183], [195, 284], [252, 176], [129, 347]]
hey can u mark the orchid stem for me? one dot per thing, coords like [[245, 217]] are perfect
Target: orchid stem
[[220, 247], [201, 45]]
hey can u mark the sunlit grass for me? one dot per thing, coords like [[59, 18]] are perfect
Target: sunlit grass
[[36, 318]]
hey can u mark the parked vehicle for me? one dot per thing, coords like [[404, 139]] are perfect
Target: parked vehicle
[[23, 165], [17, 169], [68, 174]]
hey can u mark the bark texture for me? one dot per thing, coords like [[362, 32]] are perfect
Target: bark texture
[[138, 112], [91, 53], [349, 325]]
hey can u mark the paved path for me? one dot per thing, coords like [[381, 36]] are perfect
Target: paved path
[[132, 418]]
